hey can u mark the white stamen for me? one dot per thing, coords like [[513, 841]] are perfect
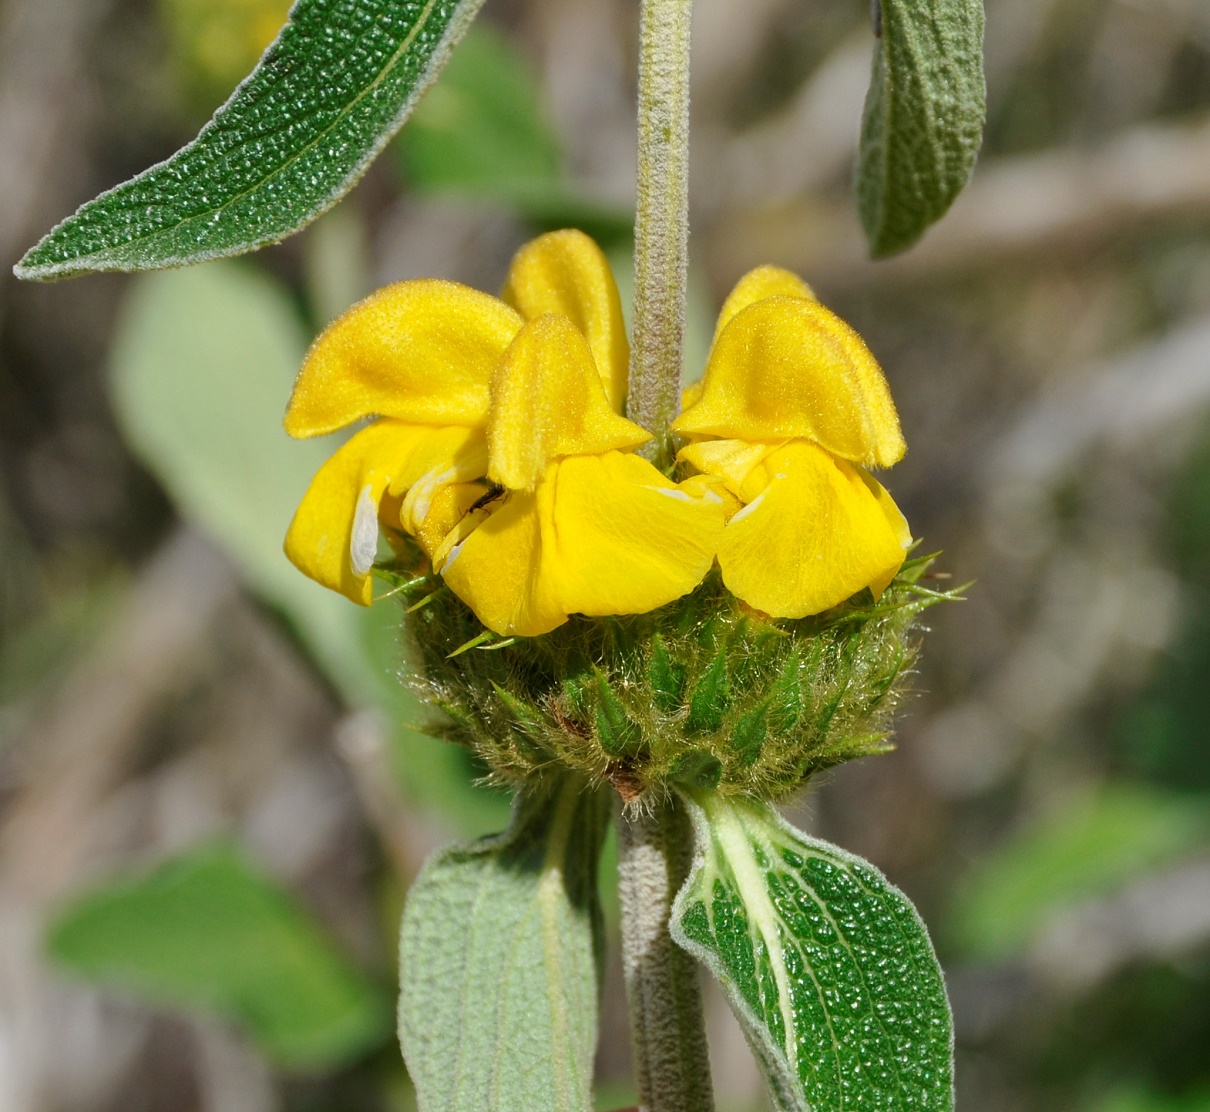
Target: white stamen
[[363, 543], [454, 552], [708, 496], [419, 498]]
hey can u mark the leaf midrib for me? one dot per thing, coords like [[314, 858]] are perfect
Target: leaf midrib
[[281, 168]]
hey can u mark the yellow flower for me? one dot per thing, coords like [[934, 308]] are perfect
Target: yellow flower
[[499, 447], [791, 410]]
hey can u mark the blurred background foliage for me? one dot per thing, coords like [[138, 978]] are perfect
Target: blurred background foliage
[[214, 786]]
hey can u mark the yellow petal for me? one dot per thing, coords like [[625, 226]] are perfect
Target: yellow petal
[[895, 519], [756, 285], [421, 351], [497, 571], [448, 507], [702, 486], [730, 461], [547, 402], [620, 538], [813, 537], [567, 273], [788, 367], [334, 533], [690, 394], [438, 457]]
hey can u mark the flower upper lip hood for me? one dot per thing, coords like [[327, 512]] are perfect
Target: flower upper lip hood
[[499, 446], [791, 410]]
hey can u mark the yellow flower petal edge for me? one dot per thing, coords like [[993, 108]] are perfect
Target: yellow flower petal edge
[[757, 285], [334, 535], [601, 534], [497, 571], [623, 539], [788, 367], [421, 351], [547, 402], [813, 537], [500, 448], [730, 461], [566, 273]]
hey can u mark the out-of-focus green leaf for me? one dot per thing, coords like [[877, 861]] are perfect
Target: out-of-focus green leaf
[[207, 931], [827, 966], [500, 955], [924, 115], [295, 136], [481, 126], [213, 43], [202, 365], [1143, 1100], [482, 132], [1090, 847]]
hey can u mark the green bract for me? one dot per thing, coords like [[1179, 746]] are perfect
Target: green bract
[[703, 693]]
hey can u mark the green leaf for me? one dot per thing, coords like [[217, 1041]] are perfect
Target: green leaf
[[202, 365], [483, 132], [500, 963], [1091, 846], [211, 44], [482, 127], [207, 931], [923, 120], [295, 136], [827, 966], [1145, 1100]]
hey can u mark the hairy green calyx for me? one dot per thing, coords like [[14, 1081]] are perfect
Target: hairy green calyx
[[702, 693]]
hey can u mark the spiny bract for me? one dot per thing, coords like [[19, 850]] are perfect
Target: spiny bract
[[703, 692]]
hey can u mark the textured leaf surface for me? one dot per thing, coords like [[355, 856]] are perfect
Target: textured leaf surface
[[202, 365], [499, 964], [207, 931], [923, 119], [294, 137], [827, 966]]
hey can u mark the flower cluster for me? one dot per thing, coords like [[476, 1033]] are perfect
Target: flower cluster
[[500, 449]]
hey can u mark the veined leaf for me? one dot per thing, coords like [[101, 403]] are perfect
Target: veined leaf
[[329, 92], [923, 120], [206, 931], [827, 966], [500, 963]]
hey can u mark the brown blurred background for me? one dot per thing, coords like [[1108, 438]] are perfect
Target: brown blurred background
[[1049, 348]]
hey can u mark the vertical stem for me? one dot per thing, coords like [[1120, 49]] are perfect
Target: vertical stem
[[672, 1066], [661, 249]]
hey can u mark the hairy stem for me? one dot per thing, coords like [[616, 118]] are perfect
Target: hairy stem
[[661, 249], [672, 1066]]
